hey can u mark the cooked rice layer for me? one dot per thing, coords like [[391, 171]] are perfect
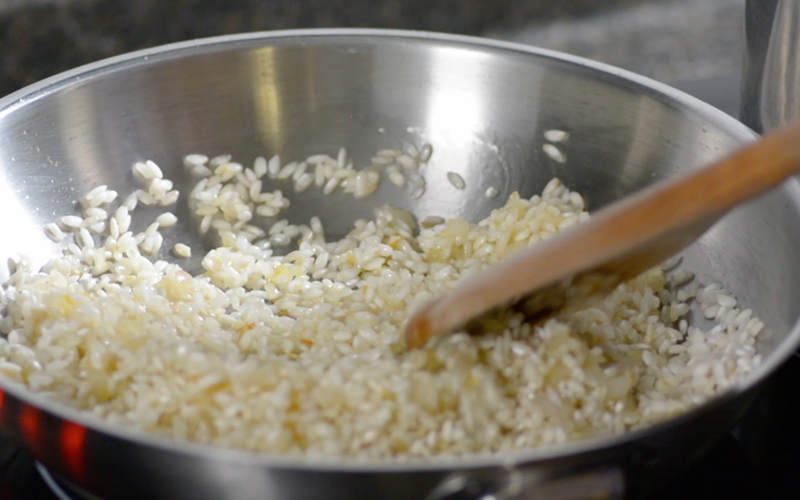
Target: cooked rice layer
[[302, 354]]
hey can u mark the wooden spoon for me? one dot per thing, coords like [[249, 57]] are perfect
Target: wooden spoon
[[618, 242]]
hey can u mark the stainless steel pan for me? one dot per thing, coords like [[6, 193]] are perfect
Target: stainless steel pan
[[484, 106]]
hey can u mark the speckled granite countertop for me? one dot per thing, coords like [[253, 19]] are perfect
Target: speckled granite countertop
[[665, 39]]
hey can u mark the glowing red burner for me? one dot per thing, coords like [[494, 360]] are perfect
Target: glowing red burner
[[71, 440], [28, 420]]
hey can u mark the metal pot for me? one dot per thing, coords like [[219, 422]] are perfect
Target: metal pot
[[484, 105], [771, 90]]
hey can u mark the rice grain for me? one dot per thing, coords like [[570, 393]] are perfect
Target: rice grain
[[456, 180]]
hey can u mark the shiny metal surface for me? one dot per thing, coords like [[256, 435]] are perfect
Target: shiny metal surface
[[484, 106], [771, 94]]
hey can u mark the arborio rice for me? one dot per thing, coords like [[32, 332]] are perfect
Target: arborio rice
[[302, 354]]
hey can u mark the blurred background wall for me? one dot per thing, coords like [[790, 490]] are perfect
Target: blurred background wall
[[695, 45]]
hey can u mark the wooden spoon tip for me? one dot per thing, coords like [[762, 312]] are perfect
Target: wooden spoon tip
[[418, 331]]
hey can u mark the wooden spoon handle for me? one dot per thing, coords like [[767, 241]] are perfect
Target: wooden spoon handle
[[623, 239]]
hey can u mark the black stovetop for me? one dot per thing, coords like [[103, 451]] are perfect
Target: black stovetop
[[759, 460]]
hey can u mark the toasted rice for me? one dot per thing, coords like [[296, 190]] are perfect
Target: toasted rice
[[302, 354]]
